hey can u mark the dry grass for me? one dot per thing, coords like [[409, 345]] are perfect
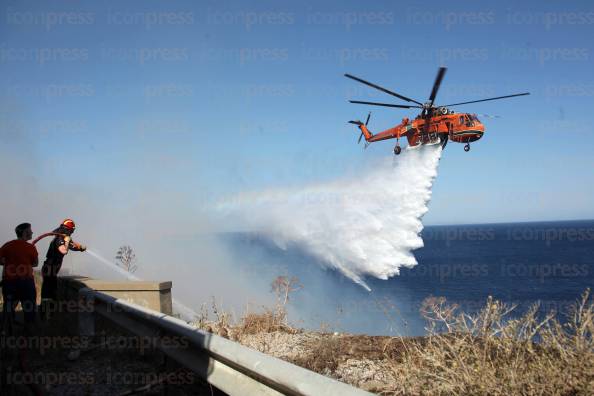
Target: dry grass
[[326, 356], [264, 322], [495, 353], [223, 323]]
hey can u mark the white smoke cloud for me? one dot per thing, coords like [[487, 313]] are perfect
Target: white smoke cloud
[[173, 240], [367, 226]]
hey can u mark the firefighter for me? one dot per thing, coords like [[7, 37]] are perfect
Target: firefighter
[[58, 248]]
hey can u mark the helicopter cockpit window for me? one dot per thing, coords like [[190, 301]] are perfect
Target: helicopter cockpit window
[[473, 117], [461, 120], [468, 120]]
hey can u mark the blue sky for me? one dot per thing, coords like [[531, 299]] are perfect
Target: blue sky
[[205, 99]]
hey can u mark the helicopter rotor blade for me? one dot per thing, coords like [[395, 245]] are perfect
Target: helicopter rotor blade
[[360, 137], [356, 122], [382, 89], [440, 74], [484, 100], [368, 116], [384, 104]]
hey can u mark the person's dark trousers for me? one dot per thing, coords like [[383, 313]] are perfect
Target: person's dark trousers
[[23, 291], [49, 295], [5, 309]]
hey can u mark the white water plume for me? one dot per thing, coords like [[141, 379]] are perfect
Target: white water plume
[[367, 226]]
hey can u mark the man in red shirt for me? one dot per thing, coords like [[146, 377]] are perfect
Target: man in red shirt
[[18, 285]]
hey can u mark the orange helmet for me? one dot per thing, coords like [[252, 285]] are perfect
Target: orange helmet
[[68, 223]]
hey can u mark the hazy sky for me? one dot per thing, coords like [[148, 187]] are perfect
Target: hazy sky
[[193, 101]]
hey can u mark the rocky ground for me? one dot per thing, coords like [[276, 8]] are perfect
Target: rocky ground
[[359, 360]]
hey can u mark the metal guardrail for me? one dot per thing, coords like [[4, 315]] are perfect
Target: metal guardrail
[[227, 365]]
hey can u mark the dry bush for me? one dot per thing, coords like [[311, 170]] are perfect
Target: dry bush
[[222, 323], [270, 320], [222, 319], [264, 322], [495, 353], [201, 321], [283, 286], [275, 319]]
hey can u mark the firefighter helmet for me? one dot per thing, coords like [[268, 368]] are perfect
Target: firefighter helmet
[[68, 223]]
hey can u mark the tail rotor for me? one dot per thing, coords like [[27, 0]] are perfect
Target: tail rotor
[[359, 123]]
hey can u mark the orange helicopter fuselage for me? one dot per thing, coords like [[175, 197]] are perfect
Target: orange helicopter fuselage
[[457, 127]]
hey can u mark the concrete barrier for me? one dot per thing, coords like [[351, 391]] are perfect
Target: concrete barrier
[[148, 294]]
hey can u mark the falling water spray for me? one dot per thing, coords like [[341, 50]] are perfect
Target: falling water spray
[[367, 226]]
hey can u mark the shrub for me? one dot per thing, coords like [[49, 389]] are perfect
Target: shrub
[[495, 353]]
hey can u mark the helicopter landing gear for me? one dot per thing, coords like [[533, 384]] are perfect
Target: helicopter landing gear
[[467, 147], [397, 150]]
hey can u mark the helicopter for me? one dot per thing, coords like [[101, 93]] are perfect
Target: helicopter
[[435, 124]]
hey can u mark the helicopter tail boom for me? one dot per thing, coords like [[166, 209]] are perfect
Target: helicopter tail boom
[[363, 128]]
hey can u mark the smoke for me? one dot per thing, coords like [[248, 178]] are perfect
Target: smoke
[[367, 226], [179, 307], [174, 240]]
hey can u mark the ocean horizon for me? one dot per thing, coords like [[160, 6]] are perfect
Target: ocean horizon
[[550, 263]]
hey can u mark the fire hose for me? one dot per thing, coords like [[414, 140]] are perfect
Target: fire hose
[[40, 237], [75, 244]]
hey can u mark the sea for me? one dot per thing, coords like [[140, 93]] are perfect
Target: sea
[[544, 264]]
